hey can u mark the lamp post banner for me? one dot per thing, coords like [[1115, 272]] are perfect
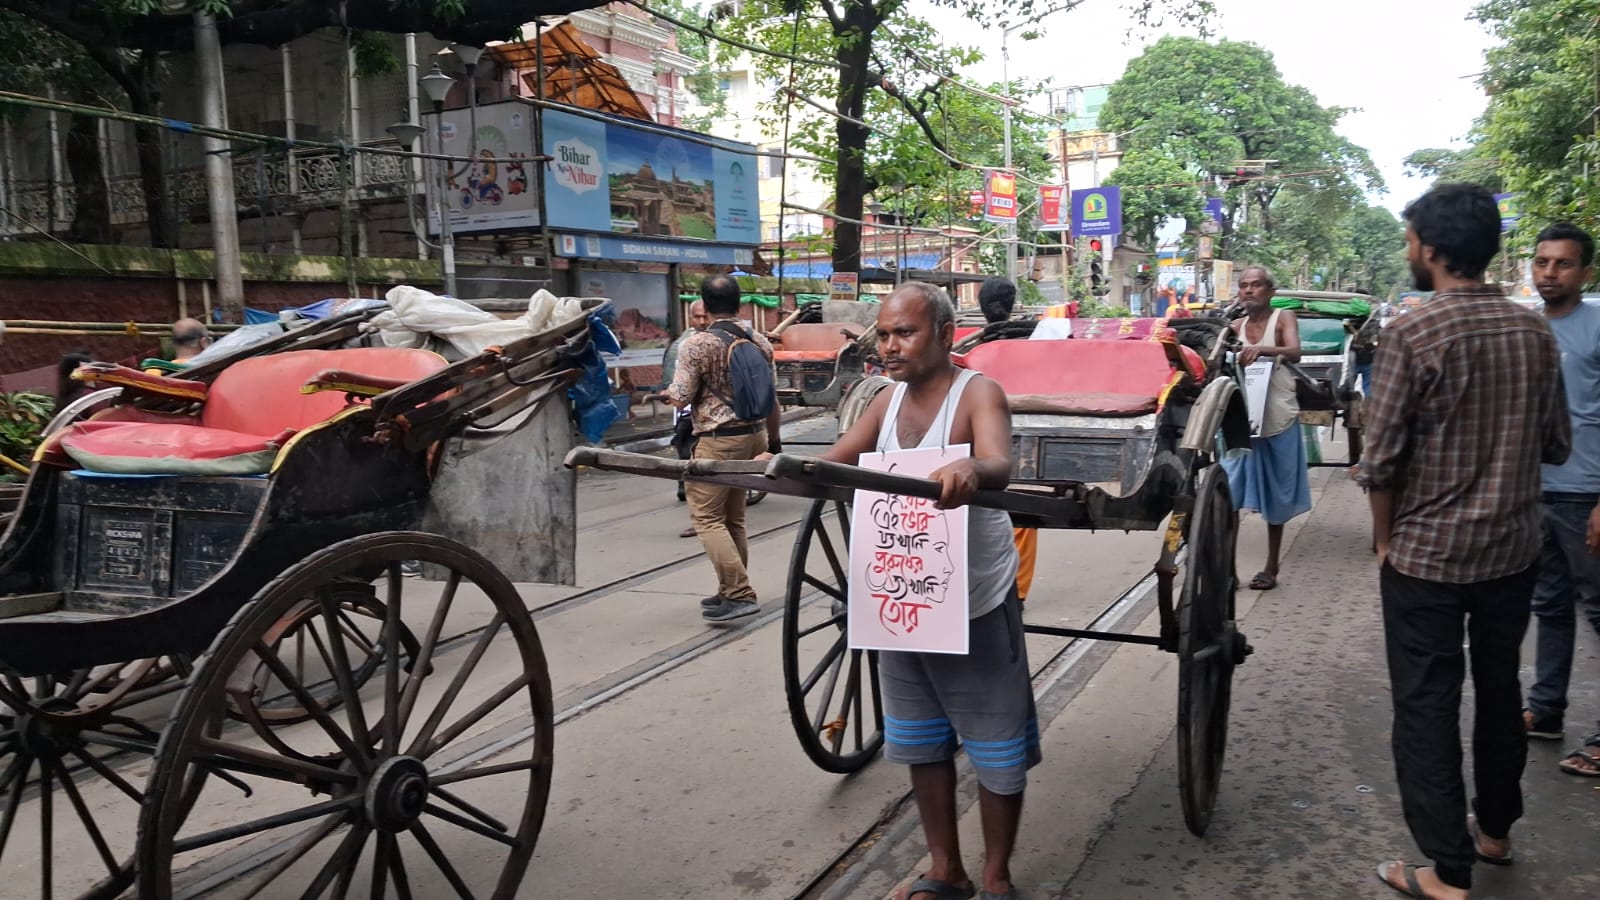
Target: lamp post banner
[[1097, 211], [999, 196]]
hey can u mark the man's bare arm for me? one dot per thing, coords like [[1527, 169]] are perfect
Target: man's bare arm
[[1382, 521], [991, 433]]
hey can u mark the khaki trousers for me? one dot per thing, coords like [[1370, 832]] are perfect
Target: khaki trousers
[[718, 514]]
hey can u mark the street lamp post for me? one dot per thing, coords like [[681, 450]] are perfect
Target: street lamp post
[[436, 84]]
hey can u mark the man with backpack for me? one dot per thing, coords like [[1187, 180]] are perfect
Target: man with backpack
[[725, 374]]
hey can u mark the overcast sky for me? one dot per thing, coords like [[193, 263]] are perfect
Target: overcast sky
[[1406, 66]]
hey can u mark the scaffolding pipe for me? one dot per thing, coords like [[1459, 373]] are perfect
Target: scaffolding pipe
[[219, 170]]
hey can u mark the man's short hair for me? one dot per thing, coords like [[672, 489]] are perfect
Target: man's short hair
[[935, 301], [997, 298], [721, 295], [1566, 231], [1266, 273], [188, 333], [1461, 222]]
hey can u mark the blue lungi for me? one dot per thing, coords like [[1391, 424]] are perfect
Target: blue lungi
[[1271, 478]]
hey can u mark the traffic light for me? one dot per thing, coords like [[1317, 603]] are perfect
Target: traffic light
[[1096, 270]]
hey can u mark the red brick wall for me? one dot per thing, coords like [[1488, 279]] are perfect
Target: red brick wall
[[148, 300]]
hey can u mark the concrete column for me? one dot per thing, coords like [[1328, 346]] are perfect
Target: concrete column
[[58, 166], [358, 164], [8, 169], [291, 161], [219, 169], [414, 114]]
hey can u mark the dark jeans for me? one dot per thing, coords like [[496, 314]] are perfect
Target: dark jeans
[[1568, 576], [1424, 624], [1364, 373]]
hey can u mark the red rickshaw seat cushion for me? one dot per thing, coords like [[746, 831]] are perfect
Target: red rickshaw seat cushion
[[780, 356], [814, 336], [253, 407], [1092, 377]]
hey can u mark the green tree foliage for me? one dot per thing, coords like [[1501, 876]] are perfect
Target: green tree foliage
[[1205, 107], [926, 138], [879, 57], [1155, 187], [1540, 136]]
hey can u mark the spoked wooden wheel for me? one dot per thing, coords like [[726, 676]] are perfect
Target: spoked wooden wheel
[[303, 640], [834, 699], [430, 778], [66, 796], [1209, 647]]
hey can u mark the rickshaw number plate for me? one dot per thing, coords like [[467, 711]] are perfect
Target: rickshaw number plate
[[125, 550]]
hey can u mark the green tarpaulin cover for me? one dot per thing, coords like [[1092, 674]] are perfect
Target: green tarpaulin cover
[[1321, 337], [767, 300], [1350, 308]]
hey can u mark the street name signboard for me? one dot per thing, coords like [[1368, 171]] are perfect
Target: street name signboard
[[844, 286]]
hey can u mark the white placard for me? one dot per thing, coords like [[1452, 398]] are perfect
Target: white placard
[[908, 562], [1257, 381]]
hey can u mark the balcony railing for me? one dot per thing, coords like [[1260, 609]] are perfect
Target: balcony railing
[[275, 184]]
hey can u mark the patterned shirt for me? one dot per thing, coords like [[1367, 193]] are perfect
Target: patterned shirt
[[701, 379], [1466, 402]]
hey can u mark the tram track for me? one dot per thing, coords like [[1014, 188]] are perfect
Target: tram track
[[831, 880], [838, 878]]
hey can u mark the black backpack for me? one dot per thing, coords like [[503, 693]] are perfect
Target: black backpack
[[749, 371]]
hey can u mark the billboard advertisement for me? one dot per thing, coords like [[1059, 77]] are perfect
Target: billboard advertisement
[[1097, 211], [485, 195], [659, 183], [604, 177]]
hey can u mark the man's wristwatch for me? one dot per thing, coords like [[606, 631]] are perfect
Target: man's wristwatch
[[774, 449]]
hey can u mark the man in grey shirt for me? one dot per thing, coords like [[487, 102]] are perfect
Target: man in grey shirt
[[1569, 569]]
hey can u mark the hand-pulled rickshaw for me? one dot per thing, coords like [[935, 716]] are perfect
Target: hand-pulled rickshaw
[[237, 535], [1326, 386], [821, 350], [1137, 403]]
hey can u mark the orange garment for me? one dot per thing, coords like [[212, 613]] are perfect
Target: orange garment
[[1027, 554]]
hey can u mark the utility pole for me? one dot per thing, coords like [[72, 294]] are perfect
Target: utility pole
[[219, 170], [1005, 79]]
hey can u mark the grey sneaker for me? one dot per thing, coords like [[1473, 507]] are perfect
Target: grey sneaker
[[712, 602], [729, 610]]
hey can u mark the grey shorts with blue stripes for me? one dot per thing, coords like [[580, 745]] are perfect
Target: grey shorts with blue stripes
[[984, 698]]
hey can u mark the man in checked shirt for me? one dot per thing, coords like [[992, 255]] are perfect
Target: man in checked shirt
[[1466, 403]]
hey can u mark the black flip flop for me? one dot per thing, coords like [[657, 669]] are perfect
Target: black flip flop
[[1263, 582], [1413, 888], [941, 890]]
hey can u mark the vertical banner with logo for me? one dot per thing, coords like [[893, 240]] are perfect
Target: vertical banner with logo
[[999, 196], [1052, 214], [1510, 210], [1097, 211], [1214, 210]]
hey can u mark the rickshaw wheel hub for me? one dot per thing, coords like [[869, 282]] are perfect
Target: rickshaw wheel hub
[[396, 793]]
